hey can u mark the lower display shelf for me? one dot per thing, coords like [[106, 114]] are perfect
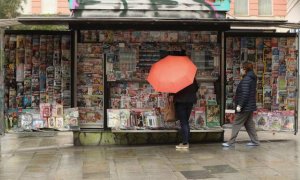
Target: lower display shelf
[[166, 131]]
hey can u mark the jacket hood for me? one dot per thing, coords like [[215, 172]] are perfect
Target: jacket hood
[[251, 75]]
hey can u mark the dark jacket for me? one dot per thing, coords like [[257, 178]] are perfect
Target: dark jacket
[[246, 93], [187, 94]]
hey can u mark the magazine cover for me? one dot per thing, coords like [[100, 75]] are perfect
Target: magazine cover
[[282, 83], [282, 99], [19, 101], [259, 43], [27, 86], [229, 103], [20, 41], [262, 121], [113, 117], [51, 122], [71, 117], [291, 42], [150, 119], [136, 36], [20, 73], [267, 79], [124, 115], [115, 103], [291, 104], [38, 123], [251, 55], [27, 71], [35, 101], [267, 95], [212, 114], [138, 118], [59, 122], [291, 65], [26, 120], [288, 120], [229, 116], [125, 102], [200, 117], [45, 110], [291, 81], [275, 121], [27, 101], [20, 89]]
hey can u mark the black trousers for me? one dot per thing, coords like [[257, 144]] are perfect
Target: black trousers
[[183, 112]]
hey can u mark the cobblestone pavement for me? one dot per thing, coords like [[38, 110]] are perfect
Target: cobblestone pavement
[[56, 158]]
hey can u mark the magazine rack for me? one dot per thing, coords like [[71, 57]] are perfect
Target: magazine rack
[[275, 58]]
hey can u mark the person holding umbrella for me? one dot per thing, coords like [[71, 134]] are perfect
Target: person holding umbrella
[[245, 101], [184, 100], [176, 76]]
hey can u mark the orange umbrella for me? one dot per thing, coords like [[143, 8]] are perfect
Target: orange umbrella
[[172, 73]]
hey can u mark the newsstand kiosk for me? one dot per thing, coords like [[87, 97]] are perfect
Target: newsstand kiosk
[[94, 75]]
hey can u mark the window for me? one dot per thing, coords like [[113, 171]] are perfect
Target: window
[[241, 7], [26, 7], [48, 6], [265, 7]]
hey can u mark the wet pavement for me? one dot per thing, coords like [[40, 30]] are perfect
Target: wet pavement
[[278, 157]]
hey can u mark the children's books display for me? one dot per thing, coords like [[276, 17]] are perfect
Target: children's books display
[[275, 62], [38, 76]]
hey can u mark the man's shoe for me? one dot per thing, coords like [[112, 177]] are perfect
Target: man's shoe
[[182, 146], [227, 145], [252, 144]]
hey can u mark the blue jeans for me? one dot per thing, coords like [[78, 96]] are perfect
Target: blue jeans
[[183, 111]]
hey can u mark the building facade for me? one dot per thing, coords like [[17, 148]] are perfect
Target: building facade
[[293, 13], [258, 9], [43, 7]]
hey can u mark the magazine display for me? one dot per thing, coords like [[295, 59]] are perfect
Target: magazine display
[[38, 74], [128, 57], [275, 62], [90, 85], [129, 54]]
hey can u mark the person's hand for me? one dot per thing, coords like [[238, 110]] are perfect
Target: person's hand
[[238, 108], [171, 98]]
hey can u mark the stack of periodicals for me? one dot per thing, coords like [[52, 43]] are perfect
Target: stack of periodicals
[[36, 66], [135, 119], [90, 85], [275, 63]]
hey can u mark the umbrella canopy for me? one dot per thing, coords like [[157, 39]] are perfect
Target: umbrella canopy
[[172, 73]]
